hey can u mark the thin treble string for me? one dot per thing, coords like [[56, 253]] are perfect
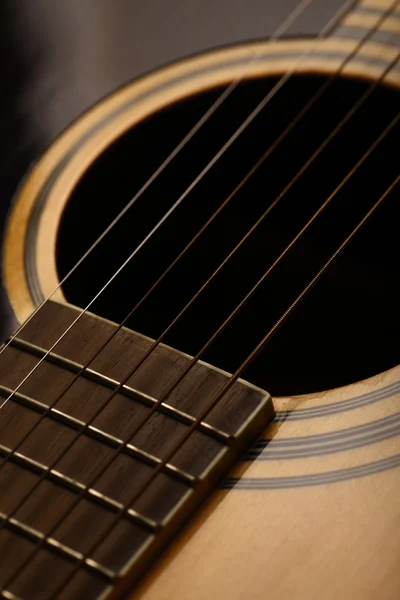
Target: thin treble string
[[210, 405], [256, 111], [282, 29]]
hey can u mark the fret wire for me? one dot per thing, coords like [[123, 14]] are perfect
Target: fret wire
[[108, 382], [82, 370], [57, 547], [83, 490], [24, 400], [120, 445], [124, 447], [78, 487], [171, 470]]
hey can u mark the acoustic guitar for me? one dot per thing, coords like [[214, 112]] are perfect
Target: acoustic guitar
[[199, 381]]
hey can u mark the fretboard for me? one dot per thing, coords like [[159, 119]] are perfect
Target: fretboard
[[95, 478]]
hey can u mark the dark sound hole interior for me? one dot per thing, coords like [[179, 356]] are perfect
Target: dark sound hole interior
[[346, 329]]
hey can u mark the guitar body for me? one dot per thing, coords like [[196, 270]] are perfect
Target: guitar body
[[312, 511]]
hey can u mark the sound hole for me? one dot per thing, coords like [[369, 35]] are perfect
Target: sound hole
[[348, 327]]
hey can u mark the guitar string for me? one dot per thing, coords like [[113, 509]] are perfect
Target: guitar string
[[318, 94], [260, 346], [275, 37], [260, 106], [237, 374]]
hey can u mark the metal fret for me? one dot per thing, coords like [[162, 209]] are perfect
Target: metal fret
[[76, 368], [58, 548], [154, 461], [114, 385], [103, 437], [41, 408], [160, 532], [144, 517], [79, 488]]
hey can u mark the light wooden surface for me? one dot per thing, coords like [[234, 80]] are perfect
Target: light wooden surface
[[325, 541]]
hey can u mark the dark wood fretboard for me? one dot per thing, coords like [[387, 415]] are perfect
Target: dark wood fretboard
[[90, 489]]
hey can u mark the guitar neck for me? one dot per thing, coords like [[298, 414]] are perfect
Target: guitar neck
[[129, 459]]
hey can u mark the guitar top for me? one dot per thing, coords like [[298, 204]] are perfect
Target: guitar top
[[200, 250]]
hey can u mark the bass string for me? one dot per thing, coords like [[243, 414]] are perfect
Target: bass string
[[282, 29], [136, 366], [260, 346], [237, 374]]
